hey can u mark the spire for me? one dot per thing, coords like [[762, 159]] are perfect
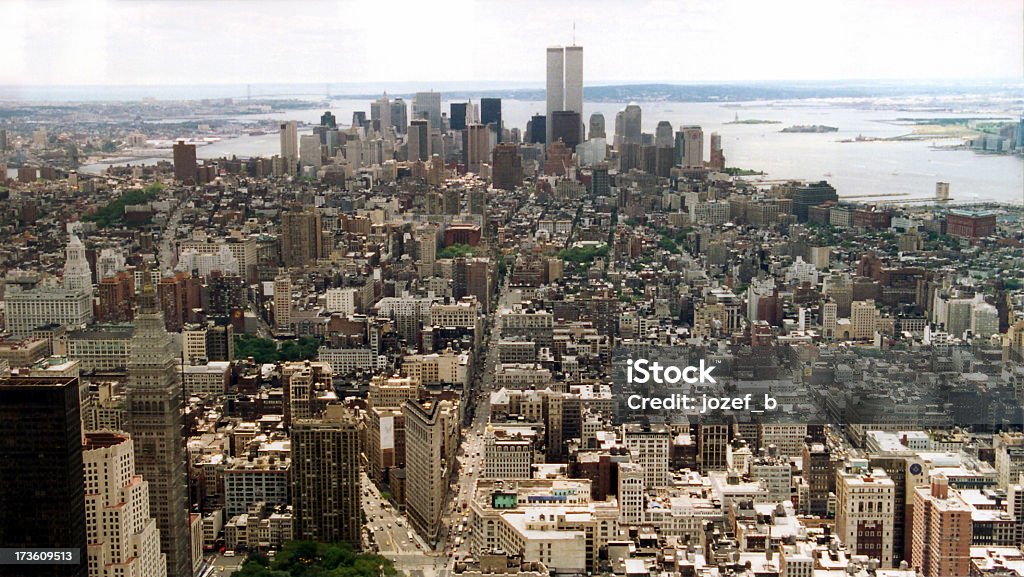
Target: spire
[[147, 297]]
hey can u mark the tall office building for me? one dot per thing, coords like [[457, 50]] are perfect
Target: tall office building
[[418, 141], [382, 123], [600, 182], [597, 129], [864, 510], [717, 160], [632, 122], [399, 116], [431, 438], [77, 274], [537, 129], [327, 119], [359, 119], [564, 85], [476, 147], [457, 115], [42, 500], [290, 142], [282, 302], [428, 105], [490, 115], [300, 236], [663, 135], [555, 92], [154, 417], [712, 446], [810, 195], [325, 483], [309, 150], [123, 538], [506, 167], [565, 126], [184, 162], [690, 146], [574, 79], [941, 531]]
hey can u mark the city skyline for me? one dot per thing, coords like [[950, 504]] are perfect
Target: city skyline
[[101, 43]]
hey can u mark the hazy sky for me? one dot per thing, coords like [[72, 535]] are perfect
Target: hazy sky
[[144, 42]]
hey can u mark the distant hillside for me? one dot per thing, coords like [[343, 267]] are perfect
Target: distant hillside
[[727, 92]]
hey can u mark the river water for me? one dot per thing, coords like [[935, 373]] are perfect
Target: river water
[[856, 169]]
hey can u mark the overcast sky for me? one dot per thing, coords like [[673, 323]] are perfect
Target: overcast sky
[[142, 42]]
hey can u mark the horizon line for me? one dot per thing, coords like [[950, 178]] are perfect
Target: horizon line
[[530, 85]]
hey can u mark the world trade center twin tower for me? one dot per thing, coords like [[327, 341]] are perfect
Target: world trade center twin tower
[[564, 86]]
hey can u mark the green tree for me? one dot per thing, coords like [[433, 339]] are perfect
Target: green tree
[[456, 251], [311, 559], [112, 213]]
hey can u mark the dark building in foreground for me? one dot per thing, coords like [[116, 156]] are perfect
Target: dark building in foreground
[[457, 116], [506, 167], [42, 499], [810, 195], [490, 114], [970, 223], [185, 162], [566, 125], [325, 478], [537, 129]]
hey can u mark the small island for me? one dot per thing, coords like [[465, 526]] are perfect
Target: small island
[[813, 128], [754, 121]]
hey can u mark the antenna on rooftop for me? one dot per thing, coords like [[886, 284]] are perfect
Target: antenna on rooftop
[[574, 33]]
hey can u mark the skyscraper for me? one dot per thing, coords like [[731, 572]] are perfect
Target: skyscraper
[[185, 162], [597, 129], [691, 155], [490, 114], [428, 105], [941, 530], [555, 92], [382, 123], [282, 303], [864, 503], [325, 478], [399, 115], [418, 142], [328, 119], [537, 129], [300, 237], [309, 150], [359, 119], [77, 274], [632, 122], [574, 79], [564, 84], [154, 418], [565, 126], [42, 482], [476, 146], [717, 160], [123, 538], [663, 135], [290, 142], [431, 434], [506, 167], [457, 115]]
